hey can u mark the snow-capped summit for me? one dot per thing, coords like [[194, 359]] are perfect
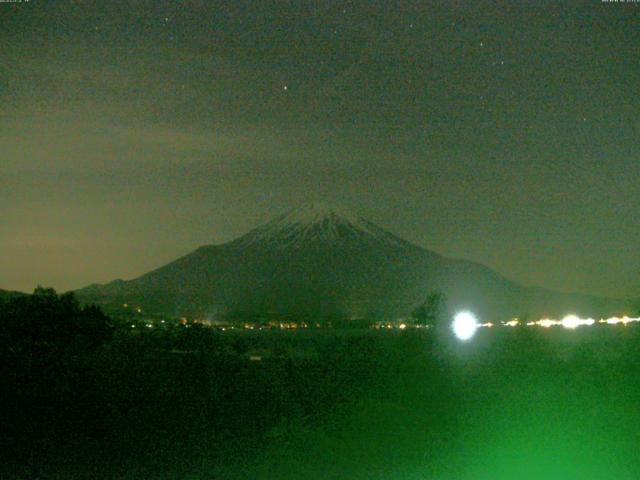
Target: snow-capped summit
[[317, 212], [313, 222]]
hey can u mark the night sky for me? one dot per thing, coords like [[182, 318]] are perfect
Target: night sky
[[133, 132]]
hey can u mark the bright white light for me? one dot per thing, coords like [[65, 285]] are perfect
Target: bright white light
[[464, 325], [572, 322]]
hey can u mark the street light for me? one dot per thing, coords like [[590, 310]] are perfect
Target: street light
[[464, 325]]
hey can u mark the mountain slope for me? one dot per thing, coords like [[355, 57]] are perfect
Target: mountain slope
[[322, 261], [7, 294]]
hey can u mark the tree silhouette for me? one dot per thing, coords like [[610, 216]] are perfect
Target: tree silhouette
[[429, 311], [48, 322]]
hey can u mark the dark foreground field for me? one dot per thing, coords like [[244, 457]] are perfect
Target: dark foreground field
[[368, 405]]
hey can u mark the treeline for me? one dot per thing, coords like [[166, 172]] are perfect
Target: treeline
[[46, 322]]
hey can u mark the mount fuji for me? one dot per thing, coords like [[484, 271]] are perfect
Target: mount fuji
[[323, 261]]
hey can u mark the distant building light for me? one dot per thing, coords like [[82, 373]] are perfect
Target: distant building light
[[546, 323]]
